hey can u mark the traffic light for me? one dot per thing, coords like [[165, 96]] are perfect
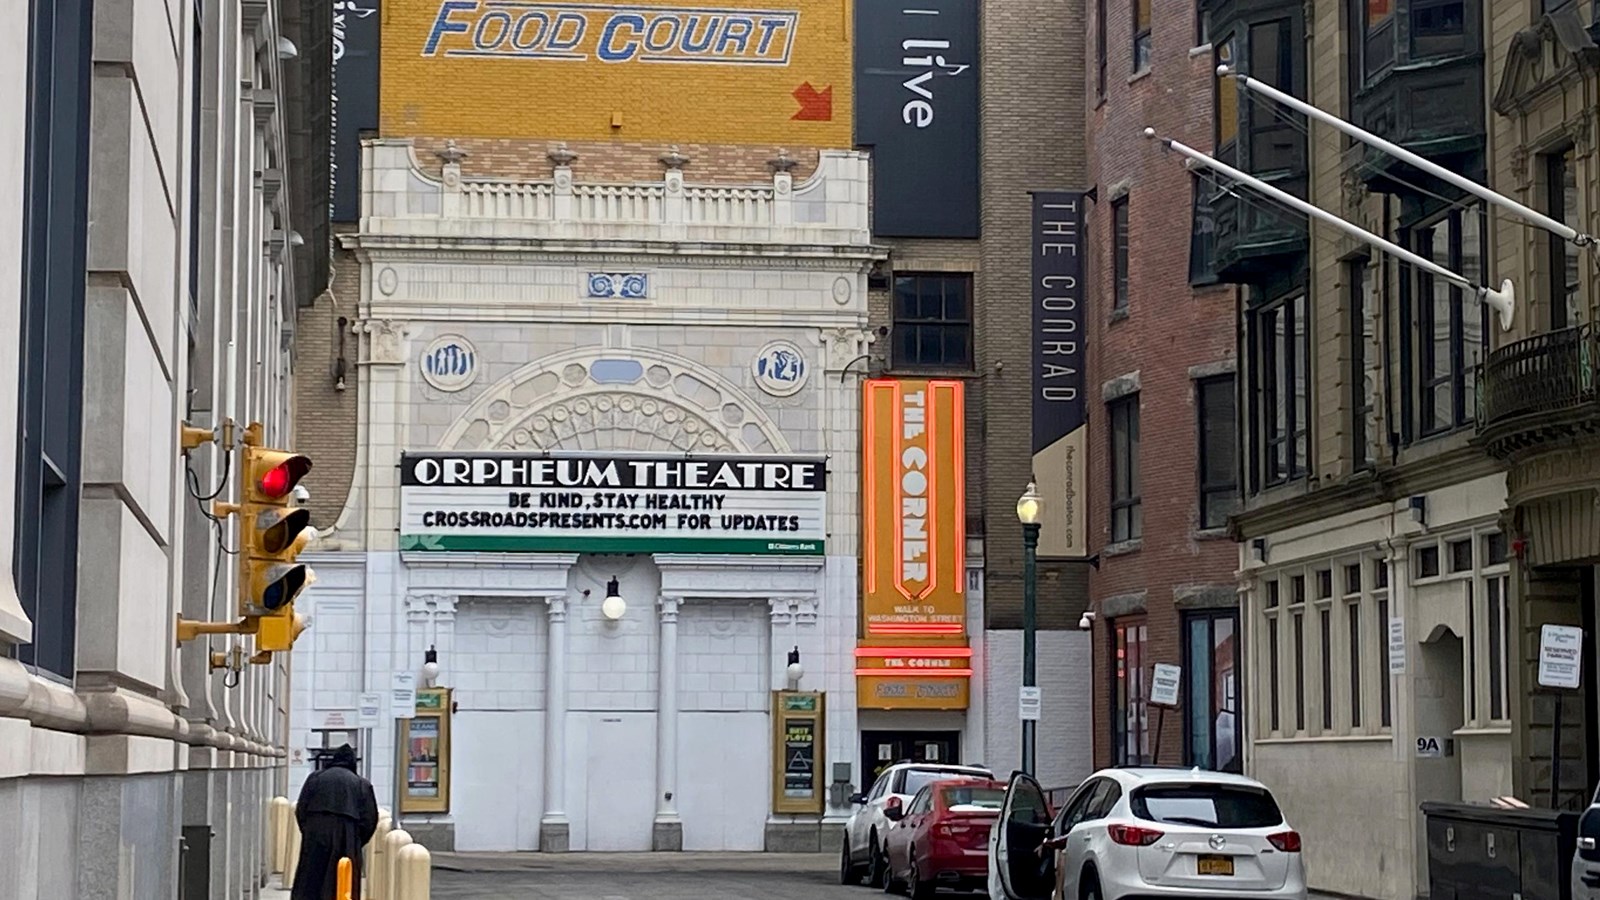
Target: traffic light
[[272, 532]]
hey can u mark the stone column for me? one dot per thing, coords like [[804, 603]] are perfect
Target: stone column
[[668, 831], [554, 827]]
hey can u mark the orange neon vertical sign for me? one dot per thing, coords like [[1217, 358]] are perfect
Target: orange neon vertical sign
[[914, 510]]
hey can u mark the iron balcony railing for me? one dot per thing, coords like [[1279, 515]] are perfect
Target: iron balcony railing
[[1546, 373]]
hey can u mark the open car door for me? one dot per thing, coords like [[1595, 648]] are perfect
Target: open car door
[[1017, 868]]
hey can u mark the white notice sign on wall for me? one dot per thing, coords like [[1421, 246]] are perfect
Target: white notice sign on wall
[[1164, 684], [1029, 700], [1397, 646], [1560, 656], [403, 695], [371, 709]]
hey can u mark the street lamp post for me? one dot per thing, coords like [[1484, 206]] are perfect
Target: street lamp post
[[1030, 506]]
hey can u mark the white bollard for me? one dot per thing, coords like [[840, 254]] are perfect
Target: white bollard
[[370, 851], [376, 857], [414, 873], [291, 859], [279, 816], [395, 842]]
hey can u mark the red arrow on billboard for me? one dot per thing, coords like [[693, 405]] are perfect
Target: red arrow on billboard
[[815, 105]]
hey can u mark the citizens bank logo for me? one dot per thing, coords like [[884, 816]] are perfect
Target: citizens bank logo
[[780, 368], [450, 363], [613, 34], [924, 64]]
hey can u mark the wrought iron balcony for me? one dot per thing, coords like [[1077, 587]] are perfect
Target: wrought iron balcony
[[1435, 109], [1539, 390]]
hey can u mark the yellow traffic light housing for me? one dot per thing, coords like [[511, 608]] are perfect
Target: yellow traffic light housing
[[271, 532], [278, 633]]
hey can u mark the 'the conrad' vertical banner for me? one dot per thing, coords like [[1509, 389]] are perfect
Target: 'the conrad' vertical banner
[[1060, 425], [914, 510]]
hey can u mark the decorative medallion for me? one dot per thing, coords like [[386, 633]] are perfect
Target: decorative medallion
[[387, 280], [618, 285], [841, 290], [780, 368], [450, 363]]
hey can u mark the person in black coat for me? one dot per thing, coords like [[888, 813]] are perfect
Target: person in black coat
[[337, 812]]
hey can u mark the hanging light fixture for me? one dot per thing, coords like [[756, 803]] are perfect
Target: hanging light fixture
[[613, 607]]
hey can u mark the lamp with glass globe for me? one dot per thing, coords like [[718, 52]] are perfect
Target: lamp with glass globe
[[613, 606], [1030, 508], [795, 671], [430, 668]]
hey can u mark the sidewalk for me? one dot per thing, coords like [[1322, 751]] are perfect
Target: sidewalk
[[272, 891]]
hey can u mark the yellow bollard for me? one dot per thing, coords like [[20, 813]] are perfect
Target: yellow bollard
[[278, 819], [291, 860], [377, 857], [415, 873], [395, 842], [342, 888]]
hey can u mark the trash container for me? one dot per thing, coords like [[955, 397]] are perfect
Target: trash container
[[1481, 852]]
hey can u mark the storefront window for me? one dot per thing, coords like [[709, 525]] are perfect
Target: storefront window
[[1129, 706], [1211, 661]]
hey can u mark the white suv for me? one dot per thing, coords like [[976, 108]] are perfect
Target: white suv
[[1145, 833], [863, 833]]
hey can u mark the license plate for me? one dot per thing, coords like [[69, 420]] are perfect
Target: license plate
[[1214, 865]]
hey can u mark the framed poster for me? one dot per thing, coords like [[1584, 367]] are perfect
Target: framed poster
[[426, 754], [798, 752]]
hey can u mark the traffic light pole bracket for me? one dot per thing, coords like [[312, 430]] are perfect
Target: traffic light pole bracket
[[189, 629]]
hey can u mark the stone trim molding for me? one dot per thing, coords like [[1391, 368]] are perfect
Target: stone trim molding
[[1205, 596], [1120, 386], [1118, 605], [1213, 369]]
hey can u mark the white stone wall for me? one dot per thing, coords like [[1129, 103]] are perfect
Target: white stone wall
[[1063, 737], [715, 276], [1373, 843], [14, 624]]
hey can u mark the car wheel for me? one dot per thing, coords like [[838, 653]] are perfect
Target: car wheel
[[849, 872], [915, 886], [877, 864], [891, 884], [1091, 887]]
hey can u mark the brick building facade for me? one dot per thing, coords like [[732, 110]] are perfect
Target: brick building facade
[[1161, 340]]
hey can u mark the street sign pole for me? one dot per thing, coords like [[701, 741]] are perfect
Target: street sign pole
[[403, 702]]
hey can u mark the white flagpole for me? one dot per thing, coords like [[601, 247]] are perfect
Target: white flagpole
[[1502, 301], [1401, 153]]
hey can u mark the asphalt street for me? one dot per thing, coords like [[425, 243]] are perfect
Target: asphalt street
[[641, 876]]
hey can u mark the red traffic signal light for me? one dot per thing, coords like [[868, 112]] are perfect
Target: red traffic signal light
[[279, 480]]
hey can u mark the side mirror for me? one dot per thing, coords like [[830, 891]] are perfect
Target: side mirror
[[858, 798], [894, 813]]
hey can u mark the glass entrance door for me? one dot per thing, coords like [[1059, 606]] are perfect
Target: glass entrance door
[[882, 749]]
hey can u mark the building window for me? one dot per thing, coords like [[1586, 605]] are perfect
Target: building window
[[1141, 35], [1218, 456], [1298, 622], [1438, 28], [1451, 326], [1279, 353], [1562, 280], [1352, 607], [1363, 381], [1460, 555], [50, 389], [1274, 675], [1202, 24], [1325, 631], [1385, 679], [1130, 711], [1498, 595], [1119, 253], [1378, 47], [933, 321], [1427, 561], [1212, 710], [1202, 234], [1226, 104], [1275, 134], [1100, 48], [1127, 517]]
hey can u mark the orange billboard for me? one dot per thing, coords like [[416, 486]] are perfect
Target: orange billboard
[[913, 512]]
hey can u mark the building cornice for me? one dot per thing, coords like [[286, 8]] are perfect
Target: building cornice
[[1368, 487], [555, 251]]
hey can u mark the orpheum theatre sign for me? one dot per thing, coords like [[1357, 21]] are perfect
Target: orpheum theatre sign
[[913, 651], [612, 503]]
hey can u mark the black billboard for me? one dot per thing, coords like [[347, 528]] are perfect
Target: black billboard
[[916, 110], [356, 26], [1058, 385]]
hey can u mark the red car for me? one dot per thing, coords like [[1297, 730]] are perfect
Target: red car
[[941, 838]]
